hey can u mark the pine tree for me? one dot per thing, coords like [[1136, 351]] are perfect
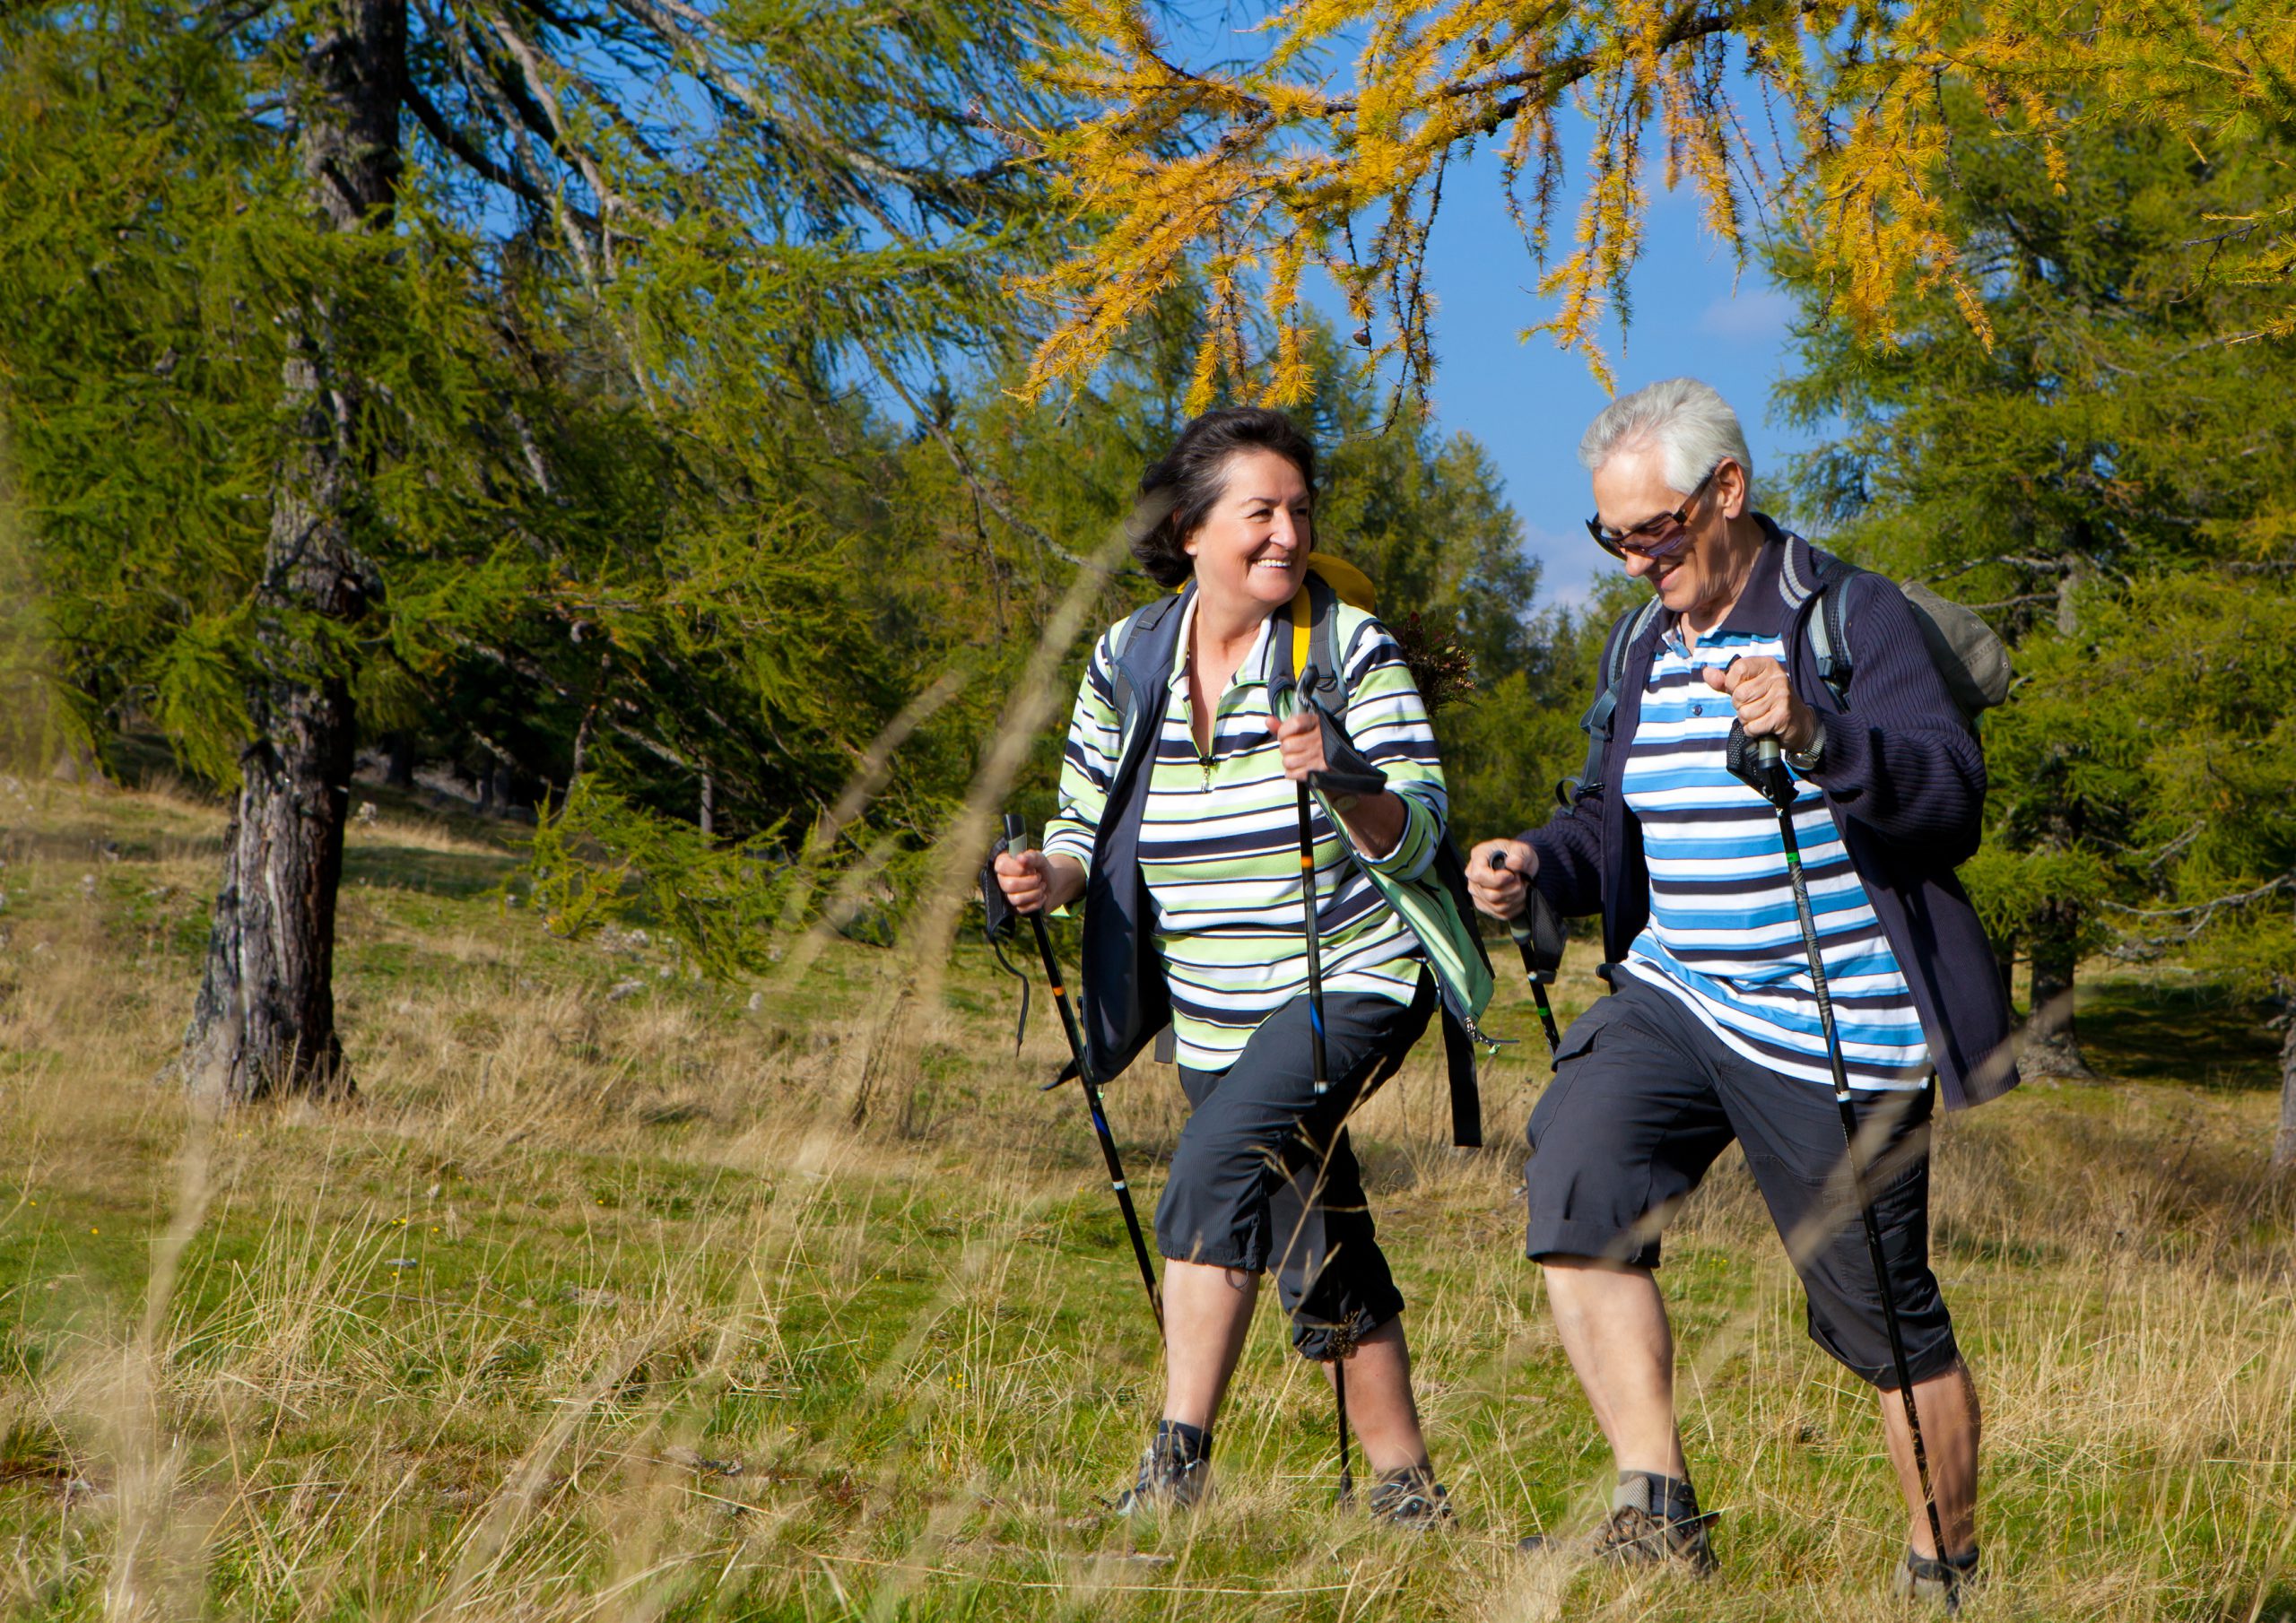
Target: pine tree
[[321, 291], [2104, 478]]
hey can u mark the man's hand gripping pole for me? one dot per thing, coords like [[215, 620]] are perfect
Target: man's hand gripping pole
[[1538, 937]]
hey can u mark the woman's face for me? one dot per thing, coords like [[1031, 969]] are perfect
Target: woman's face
[[1251, 550]]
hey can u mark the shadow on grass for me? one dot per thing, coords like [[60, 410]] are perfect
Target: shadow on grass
[[2194, 1035], [459, 874], [133, 837]]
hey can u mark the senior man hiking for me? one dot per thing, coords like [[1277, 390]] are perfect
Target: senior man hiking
[[1714, 1029]]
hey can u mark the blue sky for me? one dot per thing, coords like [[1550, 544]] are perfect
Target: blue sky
[[1528, 401]]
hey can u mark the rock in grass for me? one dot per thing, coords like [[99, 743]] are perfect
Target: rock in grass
[[687, 1459]]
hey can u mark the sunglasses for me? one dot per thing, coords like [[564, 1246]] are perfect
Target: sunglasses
[[1658, 538]]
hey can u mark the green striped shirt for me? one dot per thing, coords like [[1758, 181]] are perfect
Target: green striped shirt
[[1219, 838]]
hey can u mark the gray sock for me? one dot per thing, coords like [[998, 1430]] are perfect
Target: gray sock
[[1672, 1497]]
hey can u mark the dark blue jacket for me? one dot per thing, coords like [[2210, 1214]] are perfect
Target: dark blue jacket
[[1905, 780]]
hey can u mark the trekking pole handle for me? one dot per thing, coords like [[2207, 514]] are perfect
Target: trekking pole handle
[[1778, 789], [1518, 924], [1016, 844]]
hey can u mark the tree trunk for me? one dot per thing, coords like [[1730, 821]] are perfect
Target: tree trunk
[[264, 1021], [590, 715], [2052, 1044], [2283, 1146], [400, 773]]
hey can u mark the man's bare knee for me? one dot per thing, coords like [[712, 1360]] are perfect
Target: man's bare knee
[[1590, 1264]]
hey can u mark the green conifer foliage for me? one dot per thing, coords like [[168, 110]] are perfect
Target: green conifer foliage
[[371, 361], [2111, 481]]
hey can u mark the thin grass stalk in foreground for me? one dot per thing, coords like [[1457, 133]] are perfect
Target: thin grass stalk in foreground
[[1036, 700], [871, 777], [148, 1467], [679, 1421]]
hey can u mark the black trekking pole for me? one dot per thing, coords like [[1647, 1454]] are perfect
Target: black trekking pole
[[1321, 1075], [1539, 939], [1016, 838], [1779, 790]]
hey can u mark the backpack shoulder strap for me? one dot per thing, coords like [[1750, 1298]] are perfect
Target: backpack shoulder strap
[[1306, 634], [1324, 651], [1625, 632], [1134, 645], [1828, 640]]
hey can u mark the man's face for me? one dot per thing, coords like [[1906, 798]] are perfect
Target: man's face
[[1631, 490]]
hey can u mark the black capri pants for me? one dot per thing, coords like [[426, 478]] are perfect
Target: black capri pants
[[1265, 1175], [1645, 1097]]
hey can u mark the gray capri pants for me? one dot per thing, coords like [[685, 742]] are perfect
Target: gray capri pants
[[1263, 1174]]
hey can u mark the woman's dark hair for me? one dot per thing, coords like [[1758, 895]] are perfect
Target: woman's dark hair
[[1178, 491]]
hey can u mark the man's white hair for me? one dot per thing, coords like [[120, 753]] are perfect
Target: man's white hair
[[1693, 429]]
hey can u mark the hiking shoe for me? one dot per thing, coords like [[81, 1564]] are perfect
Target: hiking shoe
[[1634, 1537], [1943, 1585], [1175, 1472], [1411, 1498], [1635, 1534]]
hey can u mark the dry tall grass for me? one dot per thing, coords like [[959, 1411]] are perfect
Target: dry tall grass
[[597, 1305]]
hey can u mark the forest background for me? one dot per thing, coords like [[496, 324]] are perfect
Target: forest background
[[695, 437], [685, 426]]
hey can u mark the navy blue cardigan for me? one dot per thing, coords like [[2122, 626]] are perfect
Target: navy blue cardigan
[[1905, 780]]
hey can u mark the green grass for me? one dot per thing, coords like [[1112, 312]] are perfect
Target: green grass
[[597, 1303]]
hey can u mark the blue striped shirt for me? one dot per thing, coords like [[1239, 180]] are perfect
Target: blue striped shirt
[[1722, 935]]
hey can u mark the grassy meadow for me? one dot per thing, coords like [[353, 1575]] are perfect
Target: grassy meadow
[[621, 1294]]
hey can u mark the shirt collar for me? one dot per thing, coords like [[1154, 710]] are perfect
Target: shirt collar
[[1254, 668]]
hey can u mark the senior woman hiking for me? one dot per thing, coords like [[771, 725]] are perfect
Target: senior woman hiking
[[1184, 827], [1714, 1029]]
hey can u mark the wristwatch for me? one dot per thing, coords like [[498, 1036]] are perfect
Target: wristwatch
[[1812, 758]]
